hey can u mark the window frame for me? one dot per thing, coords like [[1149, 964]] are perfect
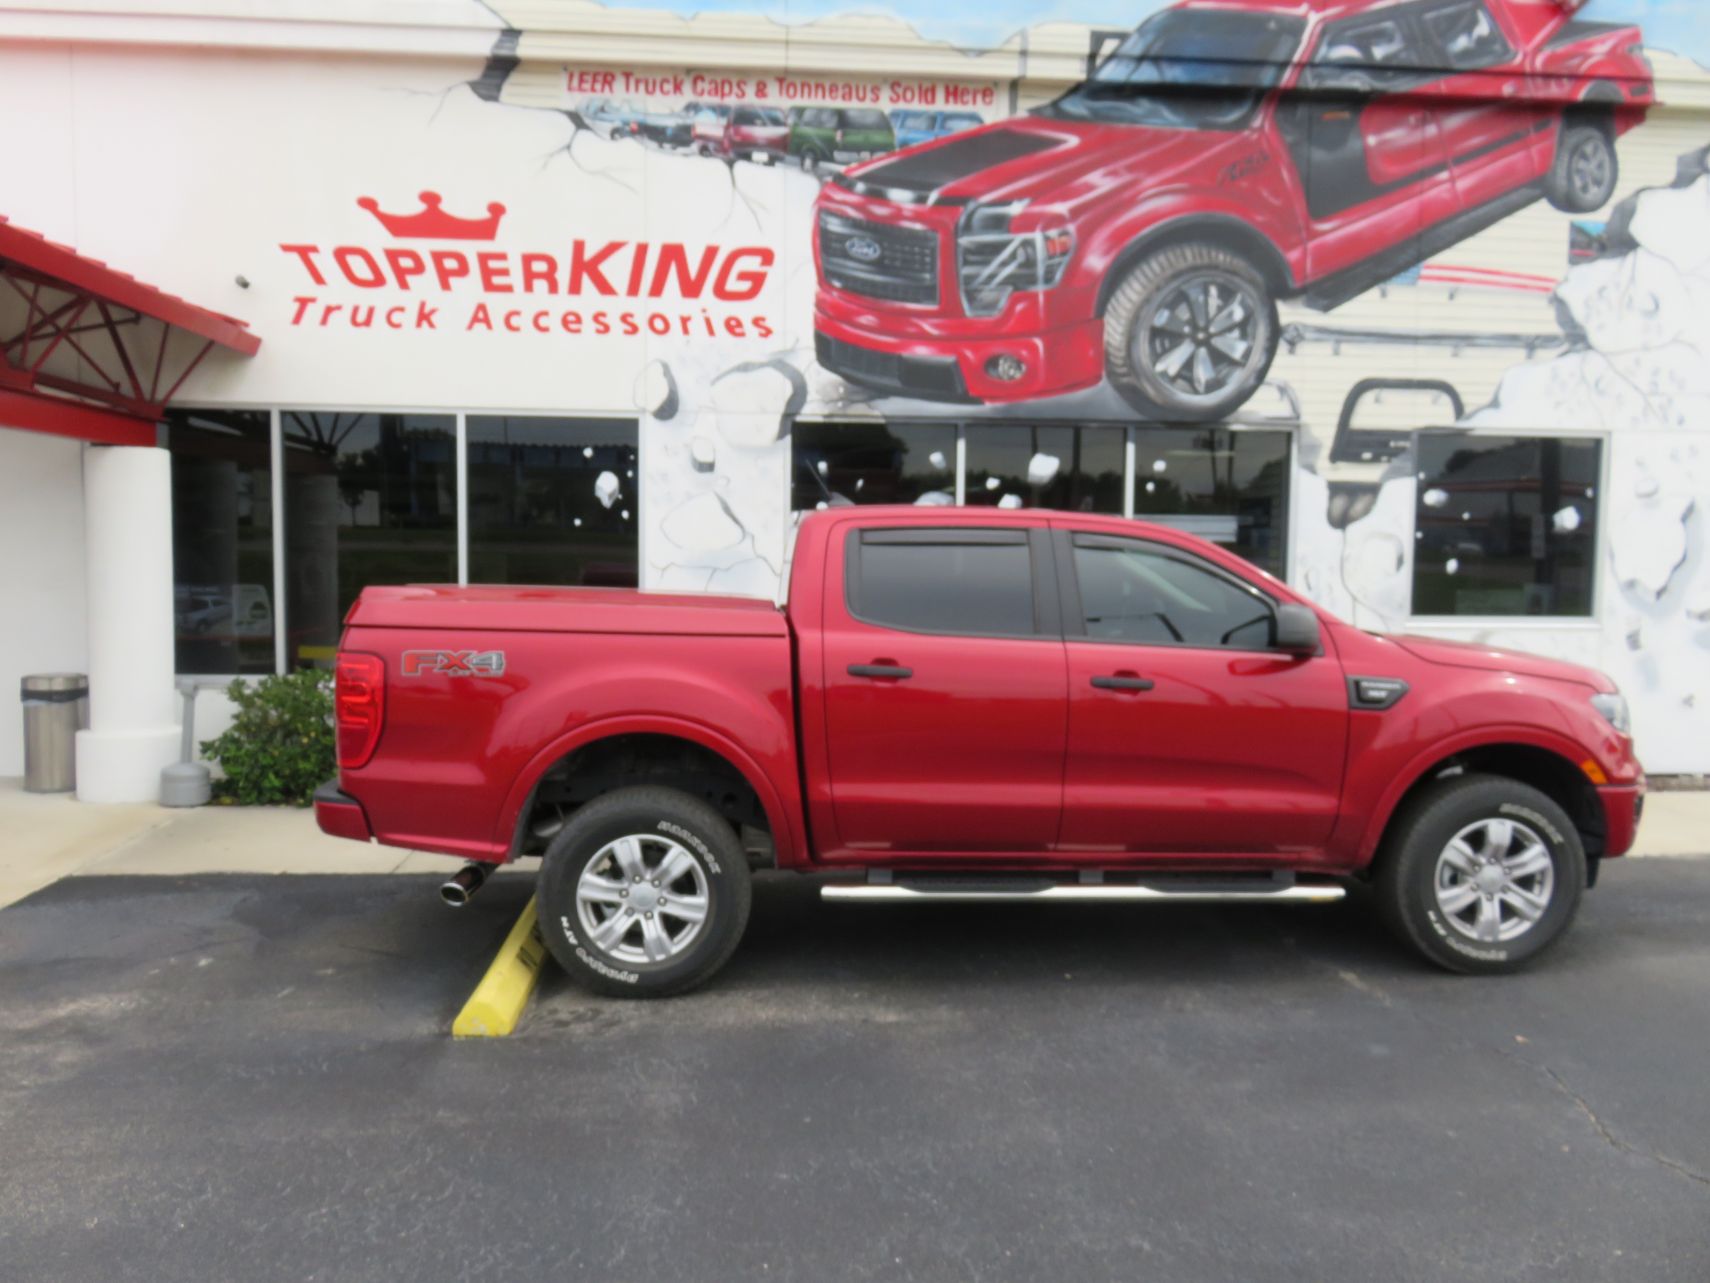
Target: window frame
[[1047, 620], [1386, 79], [275, 499], [1591, 621], [1423, 15], [1066, 538]]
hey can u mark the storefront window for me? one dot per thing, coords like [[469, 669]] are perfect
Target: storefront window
[[1230, 487], [369, 499], [1506, 525], [222, 540], [552, 501], [1074, 469], [867, 462]]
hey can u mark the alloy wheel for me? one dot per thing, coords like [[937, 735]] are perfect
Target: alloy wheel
[[1588, 170], [1201, 337], [1494, 880], [642, 899]]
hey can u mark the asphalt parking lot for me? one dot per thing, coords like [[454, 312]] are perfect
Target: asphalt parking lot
[[235, 1077]]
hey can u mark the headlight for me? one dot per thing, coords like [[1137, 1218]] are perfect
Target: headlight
[[992, 261], [1614, 710]]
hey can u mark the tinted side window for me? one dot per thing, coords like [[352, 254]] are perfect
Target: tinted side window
[[1365, 53], [944, 581], [1468, 35], [1134, 592]]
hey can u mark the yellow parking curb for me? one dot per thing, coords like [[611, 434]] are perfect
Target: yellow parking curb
[[498, 1001]]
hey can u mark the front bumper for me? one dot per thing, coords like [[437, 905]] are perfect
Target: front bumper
[[945, 368], [340, 815], [1623, 805]]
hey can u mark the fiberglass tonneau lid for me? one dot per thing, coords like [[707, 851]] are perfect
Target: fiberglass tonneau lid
[[566, 610]]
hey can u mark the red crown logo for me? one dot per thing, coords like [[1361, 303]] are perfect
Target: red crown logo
[[434, 224]]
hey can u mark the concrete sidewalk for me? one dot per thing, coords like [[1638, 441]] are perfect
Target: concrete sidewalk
[[48, 837]]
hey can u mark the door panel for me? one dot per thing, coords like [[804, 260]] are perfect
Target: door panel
[[1494, 127], [1224, 751], [1366, 142], [965, 752], [1205, 742]]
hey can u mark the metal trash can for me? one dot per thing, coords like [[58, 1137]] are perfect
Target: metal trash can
[[56, 707]]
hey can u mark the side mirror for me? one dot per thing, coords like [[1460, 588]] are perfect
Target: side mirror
[[1297, 629]]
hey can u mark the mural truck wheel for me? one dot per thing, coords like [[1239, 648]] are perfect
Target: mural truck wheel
[[1582, 177], [1190, 333]]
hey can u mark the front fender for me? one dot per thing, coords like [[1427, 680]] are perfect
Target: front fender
[[1176, 217], [1365, 848]]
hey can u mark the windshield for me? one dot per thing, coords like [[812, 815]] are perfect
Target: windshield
[[1186, 69]]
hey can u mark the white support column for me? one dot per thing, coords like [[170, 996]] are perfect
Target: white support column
[[133, 713]]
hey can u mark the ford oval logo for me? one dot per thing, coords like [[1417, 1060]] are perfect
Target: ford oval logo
[[864, 248]]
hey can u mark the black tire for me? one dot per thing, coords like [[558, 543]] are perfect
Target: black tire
[[661, 818], [1585, 170], [1408, 877], [1152, 289]]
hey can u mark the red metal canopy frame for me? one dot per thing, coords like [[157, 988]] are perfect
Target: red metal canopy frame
[[78, 305]]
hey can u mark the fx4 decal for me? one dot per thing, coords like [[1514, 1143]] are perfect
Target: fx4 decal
[[453, 663]]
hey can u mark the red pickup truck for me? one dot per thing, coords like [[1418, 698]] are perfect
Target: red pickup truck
[[973, 704], [1227, 154]]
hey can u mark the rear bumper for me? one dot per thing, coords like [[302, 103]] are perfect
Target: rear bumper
[[341, 815], [1623, 804]]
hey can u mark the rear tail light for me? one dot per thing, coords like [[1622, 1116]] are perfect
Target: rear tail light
[[359, 703]]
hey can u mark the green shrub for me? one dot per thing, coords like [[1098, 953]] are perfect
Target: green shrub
[[279, 747]]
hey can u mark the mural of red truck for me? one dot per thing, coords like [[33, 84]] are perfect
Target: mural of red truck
[[1229, 153]]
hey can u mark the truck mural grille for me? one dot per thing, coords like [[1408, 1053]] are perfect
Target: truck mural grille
[[897, 264]]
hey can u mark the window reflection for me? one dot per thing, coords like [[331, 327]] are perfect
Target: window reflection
[[222, 540], [1225, 486], [835, 464], [1074, 469], [1505, 525], [552, 500], [369, 499]]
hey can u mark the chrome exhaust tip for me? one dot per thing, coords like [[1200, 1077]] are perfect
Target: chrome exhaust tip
[[460, 889]]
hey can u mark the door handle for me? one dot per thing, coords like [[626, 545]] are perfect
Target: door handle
[[895, 672], [1123, 682]]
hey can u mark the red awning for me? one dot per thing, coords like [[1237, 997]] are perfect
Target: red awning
[[88, 351]]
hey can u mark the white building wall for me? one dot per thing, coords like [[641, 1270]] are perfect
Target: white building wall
[[43, 608], [246, 153]]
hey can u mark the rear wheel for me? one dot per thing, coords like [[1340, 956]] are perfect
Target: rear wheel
[[1190, 333], [1583, 175], [644, 893], [1480, 873]]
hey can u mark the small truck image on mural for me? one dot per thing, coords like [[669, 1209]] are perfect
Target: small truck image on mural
[[1143, 225], [975, 704]]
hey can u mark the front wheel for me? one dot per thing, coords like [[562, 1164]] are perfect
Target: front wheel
[[1583, 175], [644, 893], [1189, 333], [1480, 873]]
